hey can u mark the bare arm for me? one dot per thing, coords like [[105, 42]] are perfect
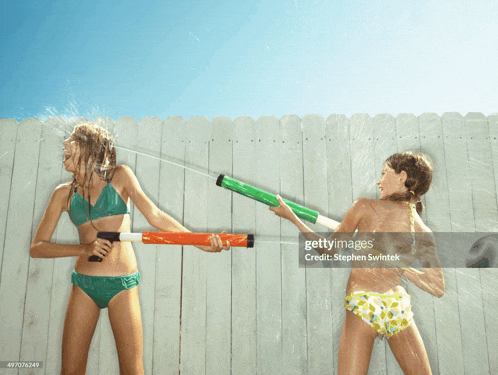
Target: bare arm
[[342, 232], [41, 247], [432, 279], [155, 217]]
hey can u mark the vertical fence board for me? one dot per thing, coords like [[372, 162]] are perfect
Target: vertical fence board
[[148, 142], [218, 265], [480, 164], [438, 219], [15, 260], [460, 219], [193, 325], [8, 135], [294, 337], [268, 258], [481, 167], [340, 198], [339, 167], [39, 288], [168, 263], [489, 280], [365, 174], [244, 307], [318, 279], [489, 277]]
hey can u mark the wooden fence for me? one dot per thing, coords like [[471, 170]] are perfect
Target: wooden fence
[[250, 311]]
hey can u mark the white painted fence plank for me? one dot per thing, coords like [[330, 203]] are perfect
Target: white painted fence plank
[[244, 308], [340, 198], [365, 175], [39, 287], [319, 284], [268, 255], [18, 238], [294, 314], [438, 220], [8, 135], [218, 265], [193, 324], [489, 280], [489, 277], [461, 220], [168, 261], [147, 171], [480, 164]]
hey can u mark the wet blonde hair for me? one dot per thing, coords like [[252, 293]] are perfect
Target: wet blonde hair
[[97, 154]]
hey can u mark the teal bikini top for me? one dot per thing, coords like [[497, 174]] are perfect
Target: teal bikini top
[[109, 203]]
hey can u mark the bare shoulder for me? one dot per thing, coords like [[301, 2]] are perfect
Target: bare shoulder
[[355, 215], [377, 204], [62, 190], [361, 209], [364, 206], [122, 174], [122, 168], [123, 180], [60, 195]]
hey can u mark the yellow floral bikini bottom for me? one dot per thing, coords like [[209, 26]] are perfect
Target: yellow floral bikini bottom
[[388, 313]]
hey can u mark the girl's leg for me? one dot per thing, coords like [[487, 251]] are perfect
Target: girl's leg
[[409, 350], [126, 323], [355, 347], [82, 315]]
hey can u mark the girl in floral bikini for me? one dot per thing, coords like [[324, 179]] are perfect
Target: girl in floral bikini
[[98, 199], [376, 303]]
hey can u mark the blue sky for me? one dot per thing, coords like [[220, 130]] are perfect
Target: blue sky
[[230, 58]]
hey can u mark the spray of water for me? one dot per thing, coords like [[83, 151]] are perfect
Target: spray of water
[[169, 162], [213, 176]]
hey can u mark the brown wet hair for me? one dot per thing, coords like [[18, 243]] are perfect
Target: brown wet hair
[[418, 169]]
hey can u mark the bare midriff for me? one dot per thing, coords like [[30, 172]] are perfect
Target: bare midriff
[[121, 261]]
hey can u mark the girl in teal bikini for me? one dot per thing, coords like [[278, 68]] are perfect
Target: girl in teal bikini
[[98, 199], [376, 304]]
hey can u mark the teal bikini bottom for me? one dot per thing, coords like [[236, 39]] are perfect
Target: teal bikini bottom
[[103, 288]]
